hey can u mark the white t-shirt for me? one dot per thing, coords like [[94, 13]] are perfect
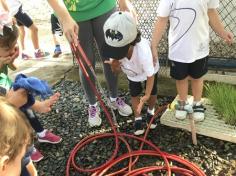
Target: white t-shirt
[[140, 66], [189, 28], [14, 6]]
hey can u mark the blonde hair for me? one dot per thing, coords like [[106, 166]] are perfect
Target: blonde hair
[[15, 130]]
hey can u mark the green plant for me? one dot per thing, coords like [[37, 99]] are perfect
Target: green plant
[[223, 98]]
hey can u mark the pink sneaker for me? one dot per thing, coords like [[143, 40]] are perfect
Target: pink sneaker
[[25, 56], [40, 54], [50, 138], [36, 156]]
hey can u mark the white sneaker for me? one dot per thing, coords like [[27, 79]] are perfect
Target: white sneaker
[[180, 114], [94, 116], [123, 108], [198, 112], [180, 110]]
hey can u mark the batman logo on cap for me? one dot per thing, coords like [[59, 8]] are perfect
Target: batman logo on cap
[[113, 34]]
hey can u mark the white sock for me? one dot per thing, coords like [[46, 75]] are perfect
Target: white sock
[[151, 111], [113, 99], [197, 103], [93, 104], [138, 118], [34, 149], [36, 50], [42, 134]]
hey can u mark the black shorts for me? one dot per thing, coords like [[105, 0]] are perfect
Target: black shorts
[[23, 18], [135, 88], [196, 70], [55, 25]]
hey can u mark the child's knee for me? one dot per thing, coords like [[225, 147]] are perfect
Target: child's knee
[[34, 28]]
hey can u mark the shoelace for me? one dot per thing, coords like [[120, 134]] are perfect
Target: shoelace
[[120, 101], [92, 111]]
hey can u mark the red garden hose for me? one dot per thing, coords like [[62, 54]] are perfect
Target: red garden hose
[[189, 169]]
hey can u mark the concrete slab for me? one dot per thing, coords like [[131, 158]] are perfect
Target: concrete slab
[[49, 69]]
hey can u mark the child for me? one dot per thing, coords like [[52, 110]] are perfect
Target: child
[[188, 46], [16, 136], [8, 51], [23, 20], [132, 54], [56, 31]]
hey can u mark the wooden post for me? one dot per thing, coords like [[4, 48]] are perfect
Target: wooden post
[[193, 129]]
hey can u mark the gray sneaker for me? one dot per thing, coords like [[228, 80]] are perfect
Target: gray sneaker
[[182, 109], [123, 108]]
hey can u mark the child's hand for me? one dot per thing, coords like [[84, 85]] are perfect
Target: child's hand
[[125, 5], [115, 65], [4, 60], [228, 37], [10, 59], [45, 106], [70, 29], [143, 99], [14, 54]]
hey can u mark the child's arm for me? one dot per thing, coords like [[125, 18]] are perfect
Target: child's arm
[[31, 169], [158, 31], [125, 5], [4, 5], [69, 26], [115, 65], [148, 91], [218, 27]]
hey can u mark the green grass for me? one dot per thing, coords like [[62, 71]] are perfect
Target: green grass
[[223, 97]]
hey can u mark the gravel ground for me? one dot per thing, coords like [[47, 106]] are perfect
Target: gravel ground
[[69, 119]]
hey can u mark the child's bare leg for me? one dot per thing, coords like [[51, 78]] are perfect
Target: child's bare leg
[[150, 111], [55, 40], [34, 35], [138, 123], [45, 106], [182, 89], [197, 88], [135, 102], [22, 37], [198, 108], [31, 169], [152, 102]]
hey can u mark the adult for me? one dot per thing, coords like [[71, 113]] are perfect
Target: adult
[[90, 16]]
